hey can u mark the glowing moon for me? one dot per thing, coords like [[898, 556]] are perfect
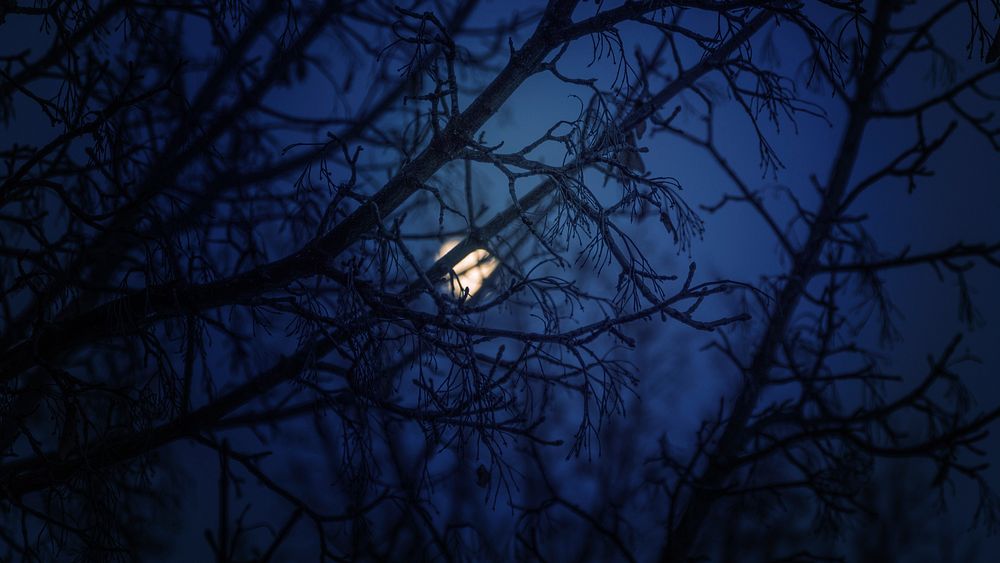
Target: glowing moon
[[471, 272]]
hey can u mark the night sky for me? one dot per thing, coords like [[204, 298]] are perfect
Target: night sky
[[679, 382]]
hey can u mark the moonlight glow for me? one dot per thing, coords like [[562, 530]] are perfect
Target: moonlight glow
[[471, 272]]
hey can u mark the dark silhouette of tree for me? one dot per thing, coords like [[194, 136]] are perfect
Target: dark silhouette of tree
[[284, 252]]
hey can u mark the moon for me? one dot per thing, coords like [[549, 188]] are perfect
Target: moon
[[471, 272]]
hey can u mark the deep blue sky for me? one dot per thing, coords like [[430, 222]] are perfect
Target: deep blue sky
[[960, 203]]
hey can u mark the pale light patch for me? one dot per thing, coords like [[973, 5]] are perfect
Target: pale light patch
[[472, 271]]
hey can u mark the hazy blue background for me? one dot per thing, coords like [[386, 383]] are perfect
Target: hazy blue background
[[679, 385]]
